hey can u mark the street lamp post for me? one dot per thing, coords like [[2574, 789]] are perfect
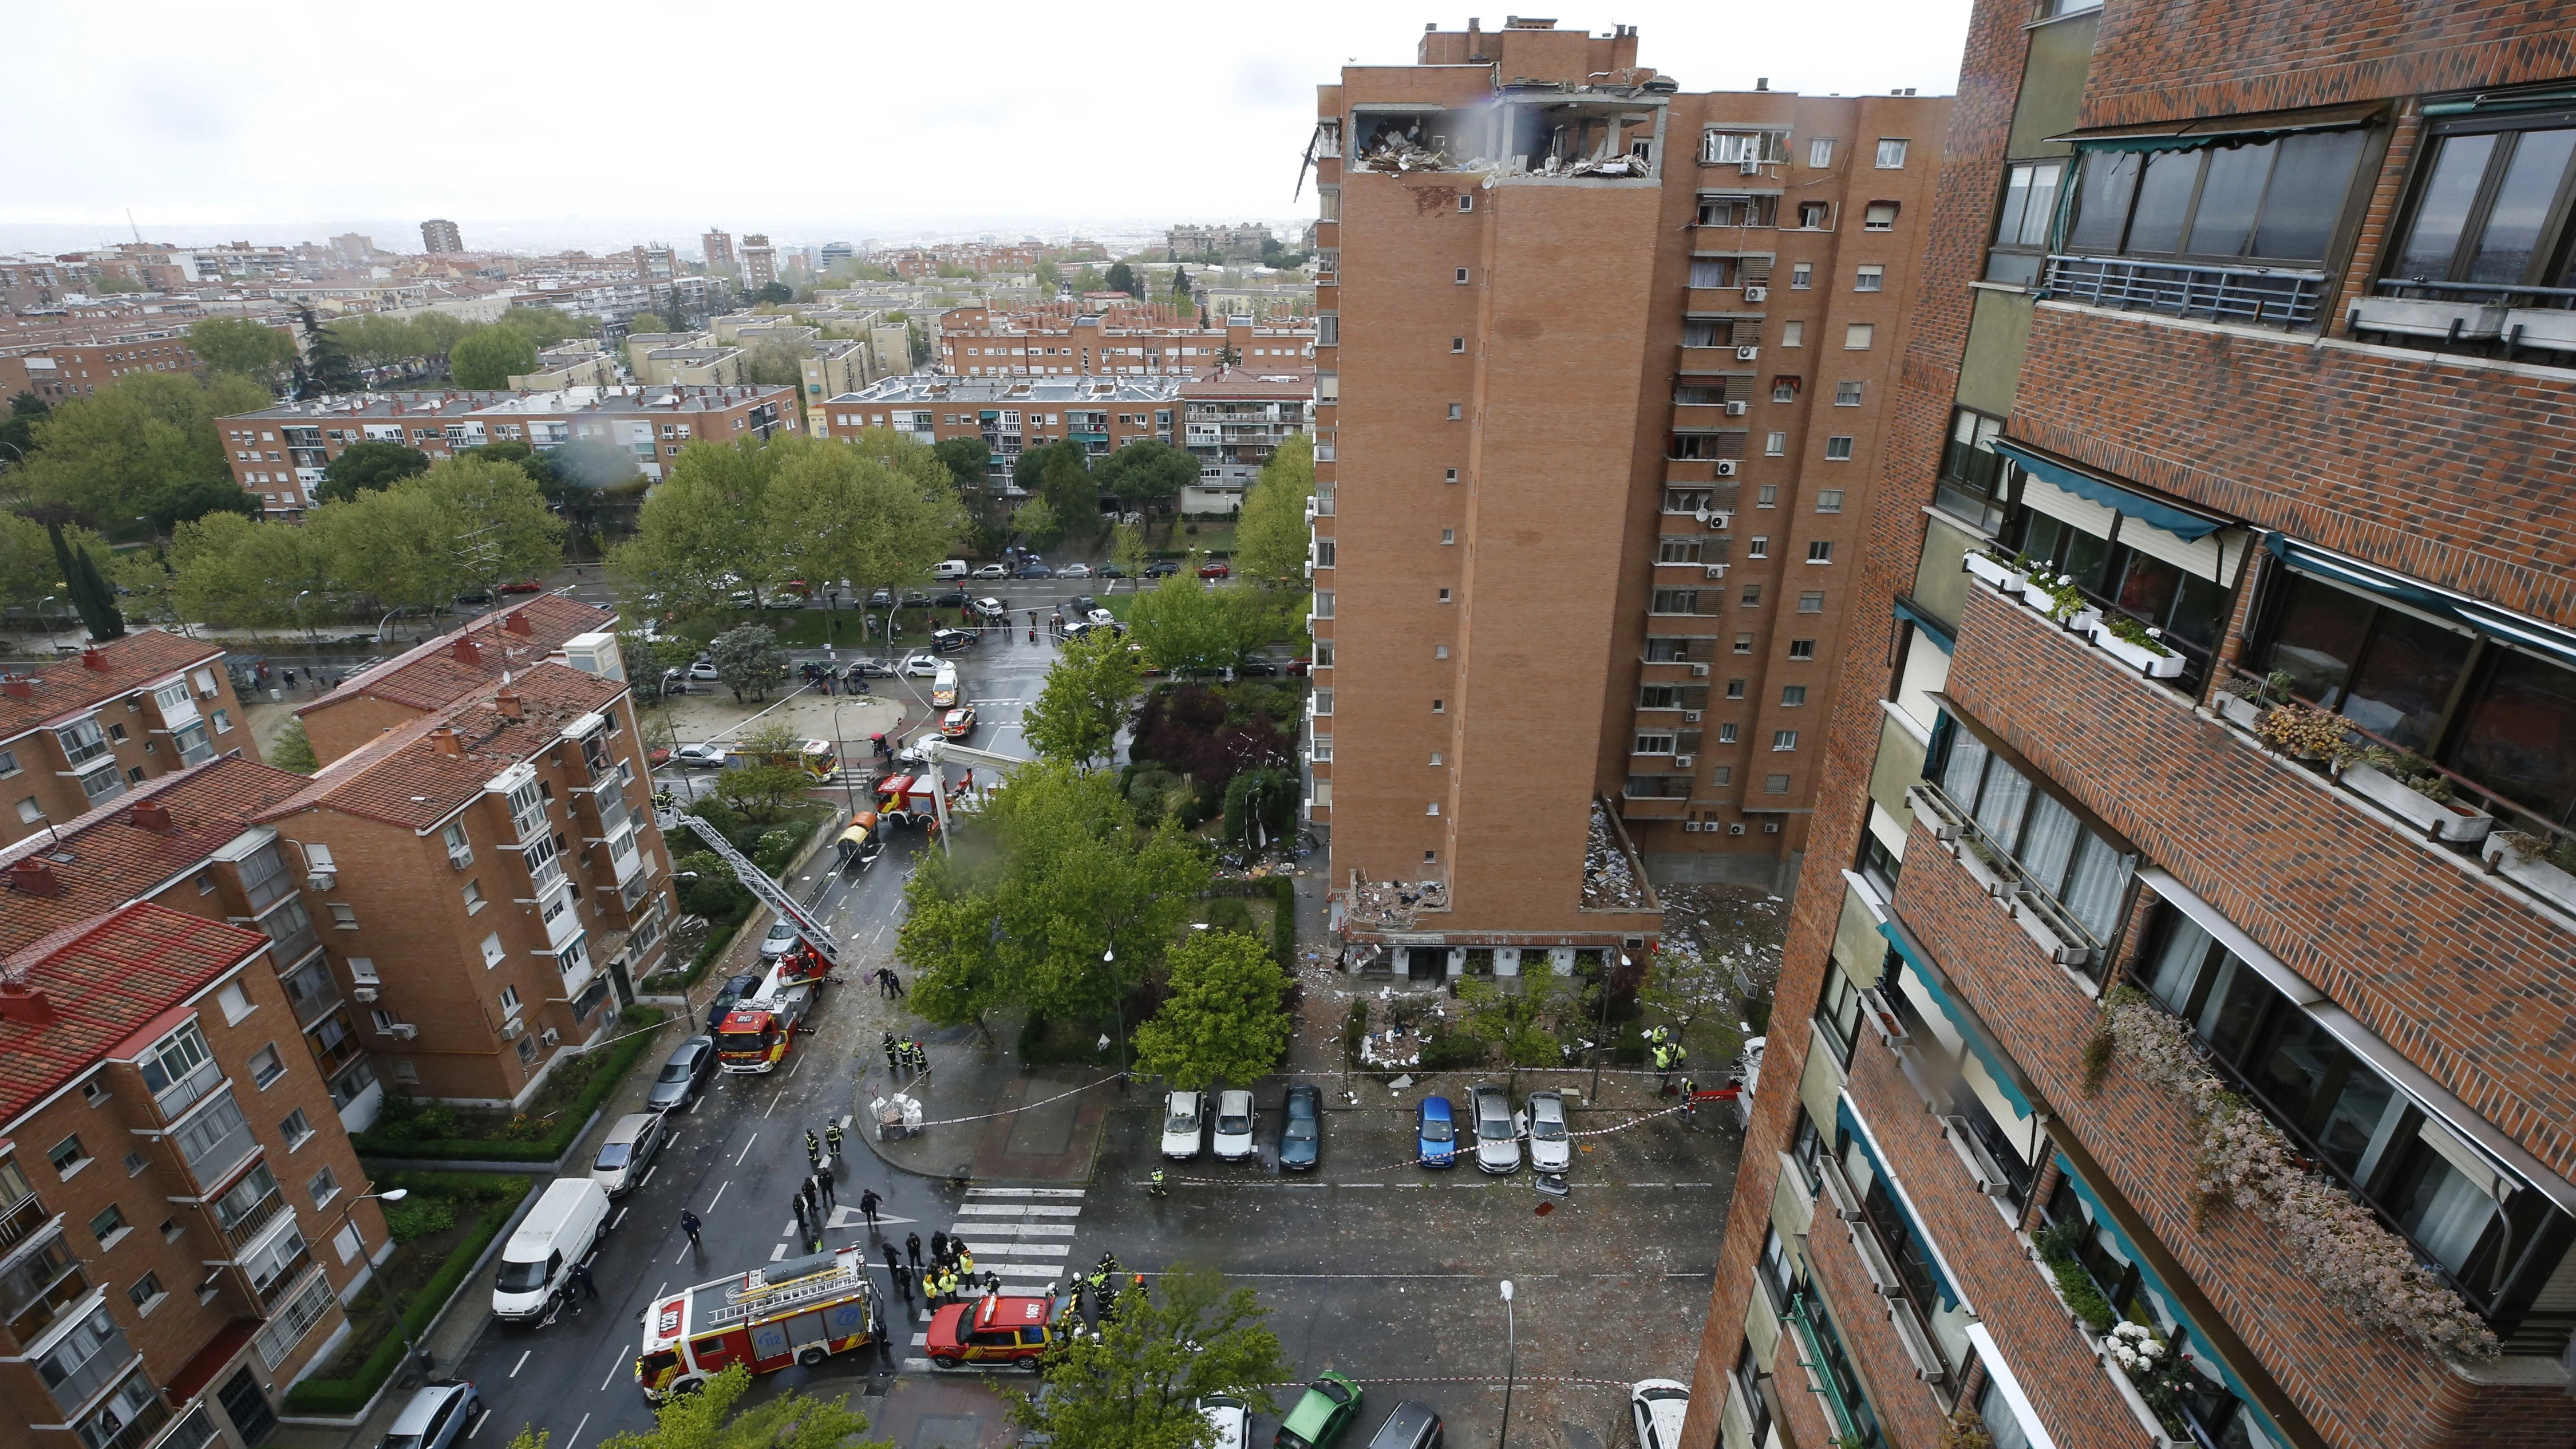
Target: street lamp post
[[1118, 1008], [47, 620], [1603, 1030], [306, 620], [1511, 1365], [410, 1348]]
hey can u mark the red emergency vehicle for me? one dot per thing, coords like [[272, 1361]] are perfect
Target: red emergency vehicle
[[801, 964], [761, 1032], [802, 1310], [995, 1329]]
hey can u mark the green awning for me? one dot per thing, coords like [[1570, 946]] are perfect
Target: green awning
[[2236, 130], [1850, 1122], [1931, 628], [988, 414], [2547, 640], [2189, 527], [1972, 1031]]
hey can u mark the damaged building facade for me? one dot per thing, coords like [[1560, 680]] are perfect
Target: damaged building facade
[[1600, 368]]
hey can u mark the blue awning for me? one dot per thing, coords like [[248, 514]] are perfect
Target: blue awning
[[1933, 629], [2189, 527], [1998, 1066], [1850, 1122], [2153, 1284], [2544, 639]]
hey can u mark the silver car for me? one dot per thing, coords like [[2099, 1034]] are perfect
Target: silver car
[[1498, 1140], [626, 1152], [436, 1417], [1551, 1147]]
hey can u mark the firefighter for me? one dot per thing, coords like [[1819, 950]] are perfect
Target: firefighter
[[813, 1149], [832, 1141], [1156, 1186]]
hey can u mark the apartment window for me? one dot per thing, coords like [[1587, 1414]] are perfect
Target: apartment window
[[2058, 853], [1682, 601], [295, 1129], [1972, 484], [1718, 148], [1462, 276], [1735, 688], [1457, 344], [1466, 201], [1793, 334], [1737, 210], [1815, 215], [2278, 200], [234, 1002], [362, 969], [2022, 222], [1726, 734], [108, 1225], [527, 1052], [1812, 601], [1323, 700], [1870, 279], [1451, 477], [2186, 605], [1802, 275], [1677, 550], [492, 951], [1891, 153], [1820, 153], [1708, 272], [1857, 336], [1697, 446], [1653, 744], [344, 917], [1757, 546], [1847, 394], [68, 1156], [1838, 450], [1784, 388], [1802, 648], [146, 1294], [8, 764], [135, 1163], [1439, 706], [1743, 643], [473, 896], [1665, 650], [1829, 500], [1752, 596], [1444, 596], [1784, 739], [1820, 550], [1439, 651], [1775, 445], [223, 719], [266, 1067]]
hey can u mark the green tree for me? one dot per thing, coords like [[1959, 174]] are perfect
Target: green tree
[[1223, 1020], [242, 348], [1058, 871], [87, 591], [110, 456], [774, 362], [774, 293], [1186, 627], [18, 428], [1050, 276], [1060, 474], [1520, 1023], [1146, 473], [1139, 1383], [325, 367], [1181, 284], [488, 357], [1702, 1000], [708, 1419], [1272, 536], [748, 658], [1087, 694], [234, 570], [436, 334], [29, 568], [966, 459], [698, 537], [1122, 278], [763, 791], [467, 524], [293, 749], [646, 322], [374, 463], [546, 326], [198, 497], [878, 510], [1127, 550], [1036, 524]]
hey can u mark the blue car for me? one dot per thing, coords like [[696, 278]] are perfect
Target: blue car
[[1437, 1133]]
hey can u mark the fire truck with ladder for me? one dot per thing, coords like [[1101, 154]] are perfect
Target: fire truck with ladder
[[802, 1310], [761, 1030]]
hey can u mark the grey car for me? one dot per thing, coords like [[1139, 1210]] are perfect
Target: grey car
[[436, 1417], [1551, 1149], [684, 1074], [1498, 1140]]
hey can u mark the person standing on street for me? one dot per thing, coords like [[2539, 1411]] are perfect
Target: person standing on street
[[823, 1190], [813, 1148], [832, 1142], [690, 1225], [912, 1249], [796, 1204], [868, 1203], [938, 1247], [894, 983], [894, 1062], [894, 1261]]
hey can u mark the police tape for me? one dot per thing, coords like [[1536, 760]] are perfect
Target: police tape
[[1011, 1111]]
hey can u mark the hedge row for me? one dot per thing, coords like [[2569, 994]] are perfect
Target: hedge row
[[1283, 916], [343, 1397], [635, 1021]]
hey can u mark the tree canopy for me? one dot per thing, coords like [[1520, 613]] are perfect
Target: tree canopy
[[966, 460], [1146, 473], [372, 464], [110, 457], [1161, 1351], [646, 322], [488, 357], [242, 348], [1185, 626], [1272, 535], [1088, 691], [707, 1420], [1122, 278], [748, 658], [1223, 1020]]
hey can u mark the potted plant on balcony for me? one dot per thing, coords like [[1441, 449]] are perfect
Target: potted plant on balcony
[[1996, 567], [2152, 1368], [2137, 646], [2304, 732], [2546, 868], [2242, 701], [2413, 791], [2062, 602]]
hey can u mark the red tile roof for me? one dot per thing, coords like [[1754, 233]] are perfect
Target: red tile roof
[[101, 980], [103, 859], [402, 778], [431, 675], [74, 685]]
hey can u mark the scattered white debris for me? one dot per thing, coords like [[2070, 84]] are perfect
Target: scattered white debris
[[1400, 1083], [1610, 880]]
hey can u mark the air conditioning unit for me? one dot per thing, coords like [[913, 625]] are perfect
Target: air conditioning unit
[[1737, 409], [550, 1036], [1684, 762], [1690, 716], [1699, 671], [1747, 354], [402, 1031], [1719, 521], [1770, 827], [322, 880], [1735, 829], [1751, 166], [363, 994], [460, 858], [1757, 294], [1690, 827], [513, 1029], [1726, 467]]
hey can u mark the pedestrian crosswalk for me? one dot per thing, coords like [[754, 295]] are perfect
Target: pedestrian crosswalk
[[1015, 1234]]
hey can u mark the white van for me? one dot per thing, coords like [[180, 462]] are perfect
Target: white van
[[954, 568], [560, 1231], [943, 686]]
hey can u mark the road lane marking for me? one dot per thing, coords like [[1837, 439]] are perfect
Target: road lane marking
[[1021, 1250], [774, 1101], [746, 1152], [778, 1253], [621, 1217], [920, 1339], [615, 1364], [648, 1175], [1015, 1230], [974, 1192], [478, 1422], [522, 1363], [720, 1190], [996, 1210], [576, 1431], [846, 1120]]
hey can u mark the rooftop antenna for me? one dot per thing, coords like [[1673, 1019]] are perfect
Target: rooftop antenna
[[130, 226]]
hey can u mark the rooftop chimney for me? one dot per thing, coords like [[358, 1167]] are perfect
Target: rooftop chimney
[[18, 686], [25, 1005], [92, 659], [445, 741], [508, 703], [32, 877], [517, 622], [152, 815], [467, 652]]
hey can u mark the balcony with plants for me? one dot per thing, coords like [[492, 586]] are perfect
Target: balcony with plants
[[2477, 262]]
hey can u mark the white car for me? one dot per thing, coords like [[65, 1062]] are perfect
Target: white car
[[994, 571], [1074, 571], [1184, 1119], [1235, 1119], [991, 608], [1659, 1406], [780, 940], [1103, 618], [1551, 1148], [704, 672], [922, 666], [1233, 1422], [1498, 1138], [699, 756]]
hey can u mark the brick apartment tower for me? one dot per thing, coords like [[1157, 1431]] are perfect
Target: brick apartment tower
[[1599, 377], [2240, 319]]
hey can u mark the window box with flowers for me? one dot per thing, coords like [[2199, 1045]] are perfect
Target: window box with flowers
[[2546, 868], [2137, 646], [2003, 573], [2417, 794]]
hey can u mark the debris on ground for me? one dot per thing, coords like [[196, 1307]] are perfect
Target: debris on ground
[[1394, 903], [1610, 878]]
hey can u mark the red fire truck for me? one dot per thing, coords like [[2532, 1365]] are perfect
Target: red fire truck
[[802, 1310], [761, 1031]]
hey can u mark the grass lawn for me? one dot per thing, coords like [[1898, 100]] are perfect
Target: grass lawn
[[406, 1272]]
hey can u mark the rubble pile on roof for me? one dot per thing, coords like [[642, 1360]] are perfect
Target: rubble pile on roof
[[1610, 880], [1393, 903]]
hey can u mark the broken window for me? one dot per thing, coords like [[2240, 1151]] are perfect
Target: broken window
[[1724, 210]]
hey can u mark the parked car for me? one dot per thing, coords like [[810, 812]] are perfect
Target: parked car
[[953, 641], [1257, 666], [1232, 1421], [1109, 571], [992, 608], [1659, 1405], [1184, 1120], [1080, 604], [1236, 1116], [558, 1235], [684, 1074], [1104, 619], [954, 568], [958, 724], [625, 1152], [921, 666], [478, 597], [699, 756], [704, 672], [871, 669], [436, 1417], [1161, 569], [1498, 1138], [1412, 1426], [522, 586], [881, 599], [1301, 1129], [1435, 1135], [1550, 1148], [993, 571], [1216, 568], [951, 598], [1327, 1407], [1074, 571], [1033, 570], [734, 989], [780, 940]]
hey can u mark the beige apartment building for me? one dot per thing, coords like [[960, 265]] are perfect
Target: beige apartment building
[[1601, 366]]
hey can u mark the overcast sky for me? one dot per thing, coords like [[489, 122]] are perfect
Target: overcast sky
[[547, 124]]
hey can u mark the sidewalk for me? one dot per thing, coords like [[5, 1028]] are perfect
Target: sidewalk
[[1053, 1141]]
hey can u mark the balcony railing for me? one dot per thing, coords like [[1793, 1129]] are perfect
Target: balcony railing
[[277, 1288], [2268, 296], [241, 1232], [21, 1220], [2468, 316], [2044, 918], [138, 1431]]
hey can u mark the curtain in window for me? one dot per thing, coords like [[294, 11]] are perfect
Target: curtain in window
[[2049, 848], [2099, 877]]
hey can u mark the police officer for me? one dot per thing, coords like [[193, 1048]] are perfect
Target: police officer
[[1156, 1186]]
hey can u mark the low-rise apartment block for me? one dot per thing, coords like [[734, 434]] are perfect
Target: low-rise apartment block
[[59, 371], [80, 732], [578, 364], [436, 673], [1103, 415], [1119, 339], [1232, 423]]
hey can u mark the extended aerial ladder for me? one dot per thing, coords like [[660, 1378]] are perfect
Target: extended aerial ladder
[[937, 750], [766, 891]]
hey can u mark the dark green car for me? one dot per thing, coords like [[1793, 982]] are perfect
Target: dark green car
[[1330, 1404]]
